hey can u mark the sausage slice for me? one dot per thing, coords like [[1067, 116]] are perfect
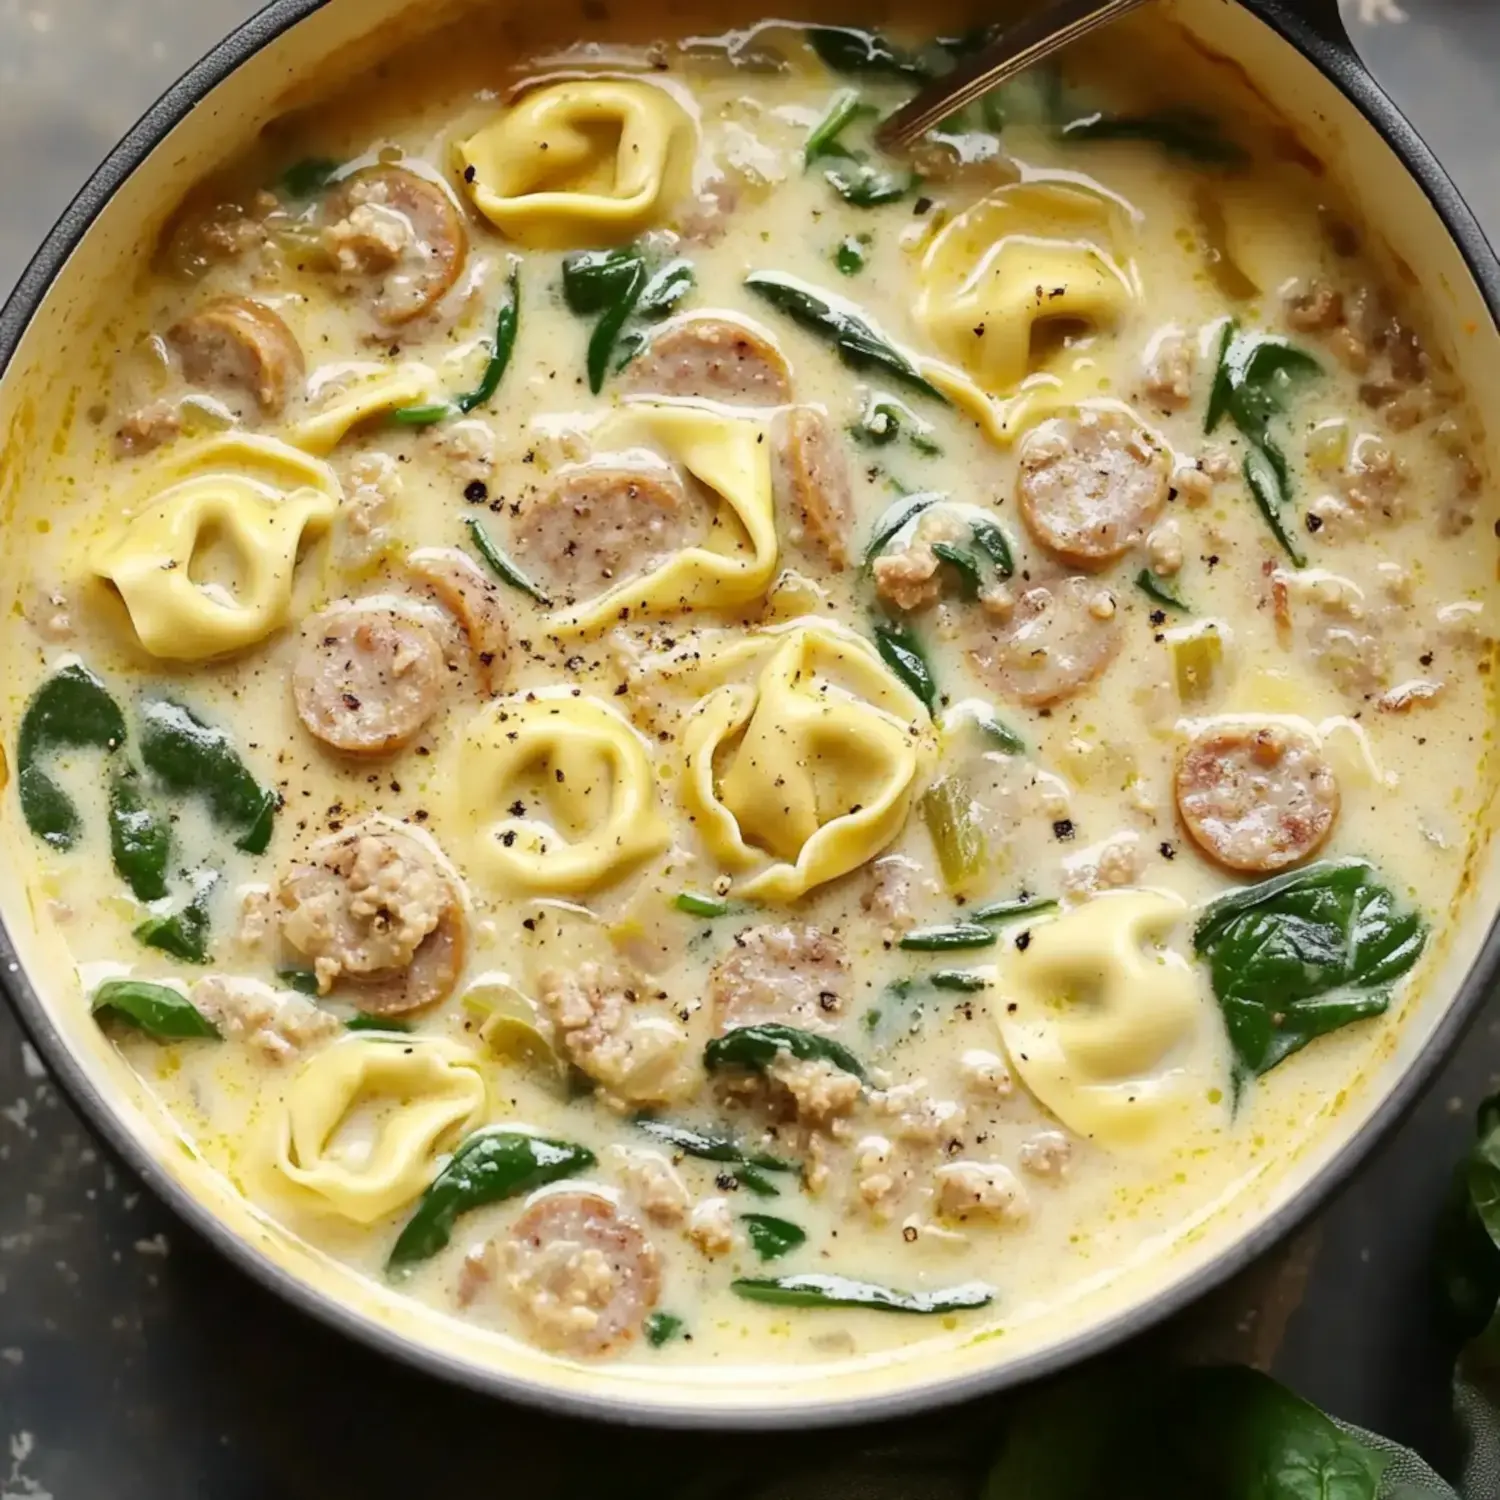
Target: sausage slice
[[1089, 487], [1056, 640], [601, 524], [367, 680], [375, 908], [400, 231], [583, 1276], [1256, 799], [812, 482], [240, 344], [783, 971], [714, 359], [473, 599]]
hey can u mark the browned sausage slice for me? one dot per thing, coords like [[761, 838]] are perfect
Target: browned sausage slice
[[473, 599], [367, 680], [375, 908], [238, 343], [714, 359], [784, 971], [1055, 641], [812, 481], [584, 1277], [389, 223], [1256, 798], [1089, 487], [601, 524]]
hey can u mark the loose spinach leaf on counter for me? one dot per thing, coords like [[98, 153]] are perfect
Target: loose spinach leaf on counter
[[902, 653], [492, 1164], [151, 1008], [817, 1289], [140, 839], [1468, 1245], [183, 933], [499, 564], [191, 758], [1303, 954], [772, 1237], [71, 710], [858, 344], [757, 1047], [1252, 385]]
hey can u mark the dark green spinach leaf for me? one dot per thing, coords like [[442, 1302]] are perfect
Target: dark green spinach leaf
[[183, 933], [757, 1047], [662, 1328], [140, 839], [818, 1289], [772, 1237], [151, 1008], [1186, 133], [902, 652], [1157, 591], [71, 710], [308, 177], [499, 564]]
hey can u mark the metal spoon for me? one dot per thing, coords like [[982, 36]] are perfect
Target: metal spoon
[[1017, 48]]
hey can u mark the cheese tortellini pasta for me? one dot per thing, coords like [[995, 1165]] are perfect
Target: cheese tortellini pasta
[[364, 1121], [559, 792], [1030, 254], [582, 162], [730, 457], [1108, 1026], [257, 496], [809, 770], [363, 397]]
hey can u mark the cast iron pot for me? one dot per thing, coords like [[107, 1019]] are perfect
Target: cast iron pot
[[1298, 56]]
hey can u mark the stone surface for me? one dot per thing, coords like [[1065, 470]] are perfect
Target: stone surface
[[134, 1364]]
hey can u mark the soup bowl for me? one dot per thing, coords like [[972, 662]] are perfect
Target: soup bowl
[[1298, 58]]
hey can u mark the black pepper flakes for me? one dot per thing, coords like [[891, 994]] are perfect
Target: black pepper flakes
[[1023, 942], [1063, 830]]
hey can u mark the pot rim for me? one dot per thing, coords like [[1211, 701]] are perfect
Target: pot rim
[[1335, 58]]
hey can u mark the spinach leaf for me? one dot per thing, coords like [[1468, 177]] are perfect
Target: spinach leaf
[[662, 1328], [1187, 133], [907, 508], [863, 185], [965, 981], [610, 326], [1468, 1246], [594, 280], [852, 253], [191, 758], [303, 981], [507, 324], [848, 49], [140, 839], [955, 937], [1008, 911], [363, 1021], [308, 177], [1153, 588], [858, 344], [992, 541], [701, 906], [708, 1147], [757, 1047], [492, 1164], [666, 288], [903, 654], [824, 141], [773, 1237], [183, 933], [499, 564], [619, 285], [1303, 954], [1252, 385], [818, 1289], [71, 710], [151, 1008], [1009, 742]]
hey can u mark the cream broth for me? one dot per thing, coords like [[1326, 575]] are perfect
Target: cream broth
[[654, 733]]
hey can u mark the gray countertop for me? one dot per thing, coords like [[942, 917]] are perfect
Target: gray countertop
[[134, 1363]]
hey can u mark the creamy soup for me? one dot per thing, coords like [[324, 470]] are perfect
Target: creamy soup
[[692, 743]]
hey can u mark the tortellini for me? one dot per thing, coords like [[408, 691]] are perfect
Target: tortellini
[[580, 163], [584, 779], [731, 457], [808, 772], [372, 394], [1105, 1024], [1032, 253], [364, 1121], [257, 496]]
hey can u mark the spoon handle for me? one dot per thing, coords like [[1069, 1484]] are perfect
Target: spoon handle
[[1017, 48]]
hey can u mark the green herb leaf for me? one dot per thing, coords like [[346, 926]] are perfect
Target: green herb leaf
[[662, 1328], [1008, 911], [152, 1008], [1153, 588], [824, 139], [847, 49], [862, 185], [499, 564], [1187, 133], [757, 1047], [990, 540], [709, 1147], [902, 653], [1265, 477], [907, 508], [856, 341], [308, 177], [594, 280], [700, 906], [1006, 738], [423, 416], [490, 1165], [184, 933], [816, 1289], [304, 981], [965, 981], [507, 325], [191, 758], [772, 1237], [851, 255], [140, 839], [1303, 954], [952, 938], [666, 288], [754, 1181], [363, 1021], [607, 330], [71, 710]]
